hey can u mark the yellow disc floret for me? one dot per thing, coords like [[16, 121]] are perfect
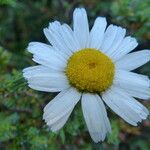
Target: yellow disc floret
[[90, 70]]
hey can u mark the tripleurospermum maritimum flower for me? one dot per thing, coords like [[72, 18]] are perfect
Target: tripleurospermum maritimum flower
[[92, 66]]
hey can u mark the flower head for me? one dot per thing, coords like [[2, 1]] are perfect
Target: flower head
[[92, 66]]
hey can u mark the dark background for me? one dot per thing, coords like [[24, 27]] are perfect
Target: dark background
[[21, 124]]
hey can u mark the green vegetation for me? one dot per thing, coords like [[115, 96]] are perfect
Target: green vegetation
[[21, 108]]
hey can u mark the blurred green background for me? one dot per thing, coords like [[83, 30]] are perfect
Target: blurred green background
[[21, 124]]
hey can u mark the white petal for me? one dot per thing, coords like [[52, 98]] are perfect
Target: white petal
[[126, 46], [125, 106], [52, 64], [120, 33], [53, 34], [95, 116], [135, 84], [45, 55], [81, 27], [57, 111], [142, 93], [28, 72], [40, 78], [97, 32], [133, 60], [109, 37], [44, 50], [130, 78], [60, 123], [69, 38]]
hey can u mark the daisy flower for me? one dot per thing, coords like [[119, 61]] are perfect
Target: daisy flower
[[93, 66]]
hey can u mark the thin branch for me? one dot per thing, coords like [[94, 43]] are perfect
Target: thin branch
[[17, 109]]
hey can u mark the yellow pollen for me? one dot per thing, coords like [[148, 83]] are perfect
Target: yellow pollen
[[90, 70]]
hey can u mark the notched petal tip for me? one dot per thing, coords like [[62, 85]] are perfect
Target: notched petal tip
[[45, 31], [80, 11]]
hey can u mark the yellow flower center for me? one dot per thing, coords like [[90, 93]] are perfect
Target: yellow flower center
[[90, 70]]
